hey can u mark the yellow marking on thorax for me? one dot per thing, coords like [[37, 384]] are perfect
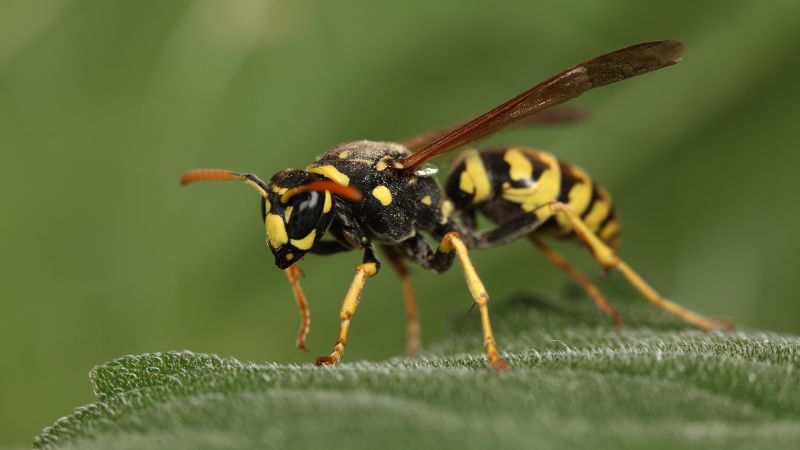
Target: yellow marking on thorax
[[267, 205], [331, 173], [305, 243], [288, 213], [599, 211], [383, 194], [363, 161], [328, 202], [426, 200], [381, 166], [474, 179], [579, 197], [289, 256], [344, 154], [447, 209], [544, 189], [521, 166], [276, 230]]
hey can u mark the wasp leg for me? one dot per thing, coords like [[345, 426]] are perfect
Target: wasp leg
[[509, 231], [329, 248], [580, 278], [450, 246], [607, 258], [293, 273], [413, 342], [370, 266]]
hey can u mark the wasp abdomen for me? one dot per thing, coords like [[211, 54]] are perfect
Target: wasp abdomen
[[507, 182]]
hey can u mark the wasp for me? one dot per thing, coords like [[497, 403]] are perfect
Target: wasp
[[368, 194]]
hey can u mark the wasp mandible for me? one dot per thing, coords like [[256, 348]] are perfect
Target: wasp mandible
[[366, 194]]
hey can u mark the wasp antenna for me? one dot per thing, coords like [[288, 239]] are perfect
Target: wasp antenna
[[217, 174], [348, 192]]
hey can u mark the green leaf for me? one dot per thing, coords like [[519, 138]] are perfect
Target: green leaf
[[576, 382]]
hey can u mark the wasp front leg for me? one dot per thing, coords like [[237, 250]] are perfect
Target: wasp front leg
[[368, 268], [293, 273]]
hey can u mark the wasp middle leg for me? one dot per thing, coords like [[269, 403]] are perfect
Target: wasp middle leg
[[413, 330]]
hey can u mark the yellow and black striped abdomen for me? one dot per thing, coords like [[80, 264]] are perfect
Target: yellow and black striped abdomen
[[506, 182]]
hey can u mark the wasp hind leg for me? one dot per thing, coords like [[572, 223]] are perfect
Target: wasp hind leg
[[580, 278], [607, 258], [451, 246], [370, 266], [413, 330]]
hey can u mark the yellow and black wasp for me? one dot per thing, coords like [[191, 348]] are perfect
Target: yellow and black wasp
[[366, 193]]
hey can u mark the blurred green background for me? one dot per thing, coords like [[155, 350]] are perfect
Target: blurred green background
[[103, 105]]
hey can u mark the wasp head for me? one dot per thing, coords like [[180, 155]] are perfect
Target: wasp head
[[297, 207], [296, 214]]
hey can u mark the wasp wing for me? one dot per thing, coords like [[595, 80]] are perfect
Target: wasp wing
[[616, 66], [553, 116]]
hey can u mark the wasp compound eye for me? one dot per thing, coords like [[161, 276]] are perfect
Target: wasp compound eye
[[306, 209]]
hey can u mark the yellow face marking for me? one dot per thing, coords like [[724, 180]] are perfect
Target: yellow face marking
[[426, 200], [331, 173], [282, 191], [328, 202], [288, 213], [276, 230], [306, 242], [447, 209], [474, 178], [381, 166], [344, 154], [600, 209], [267, 205], [521, 167], [275, 188], [383, 195]]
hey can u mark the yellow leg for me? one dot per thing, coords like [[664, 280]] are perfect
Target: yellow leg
[[608, 258], [413, 331], [452, 242], [580, 278], [348, 309], [293, 273]]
